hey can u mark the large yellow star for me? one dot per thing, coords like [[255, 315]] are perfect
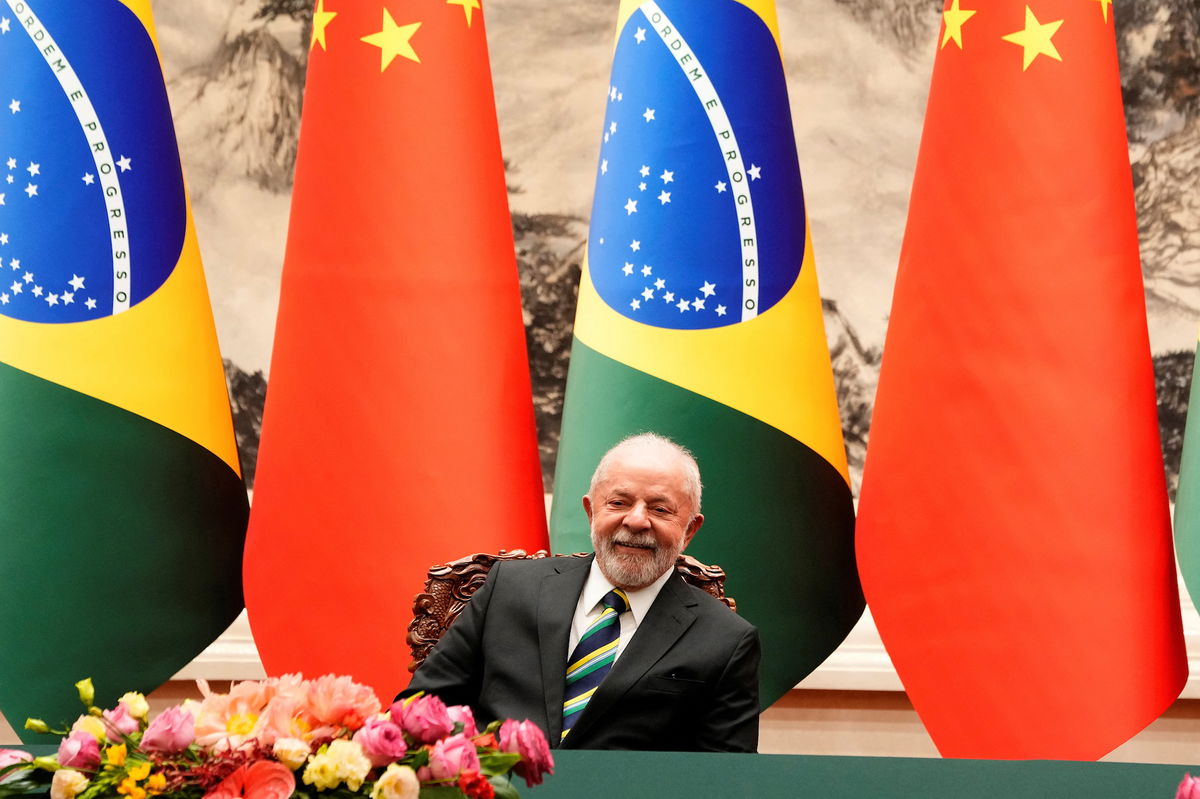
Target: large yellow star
[[1104, 4], [469, 6], [955, 17], [1035, 38], [393, 40], [321, 20]]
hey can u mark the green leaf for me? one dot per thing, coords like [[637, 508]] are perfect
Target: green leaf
[[496, 763], [504, 788], [441, 792], [23, 788], [10, 768]]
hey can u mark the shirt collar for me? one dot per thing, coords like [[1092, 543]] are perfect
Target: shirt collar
[[597, 585]]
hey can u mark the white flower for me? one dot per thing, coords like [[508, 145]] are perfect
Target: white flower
[[67, 784], [292, 752], [397, 782]]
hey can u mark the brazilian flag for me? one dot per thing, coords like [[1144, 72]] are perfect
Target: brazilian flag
[[699, 318], [122, 507]]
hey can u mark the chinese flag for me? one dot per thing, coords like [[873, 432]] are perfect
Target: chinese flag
[[398, 431], [1013, 537]]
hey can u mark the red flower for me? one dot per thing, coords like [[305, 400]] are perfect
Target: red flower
[[262, 779], [475, 785]]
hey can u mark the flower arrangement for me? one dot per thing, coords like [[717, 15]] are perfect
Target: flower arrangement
[[279, 738]]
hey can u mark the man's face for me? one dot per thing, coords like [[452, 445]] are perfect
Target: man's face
[[641, 518]]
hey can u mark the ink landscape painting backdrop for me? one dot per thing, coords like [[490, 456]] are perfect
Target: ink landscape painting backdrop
[[858, 73]]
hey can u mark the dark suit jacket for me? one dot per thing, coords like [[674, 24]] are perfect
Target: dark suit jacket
[[687, 681]]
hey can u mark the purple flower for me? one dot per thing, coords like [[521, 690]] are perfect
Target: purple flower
[[9, 757], [527, 739], [424, 718], [120, 723], [79, 750], [450, 757], [381, 740], [461, 714], [172, 731]]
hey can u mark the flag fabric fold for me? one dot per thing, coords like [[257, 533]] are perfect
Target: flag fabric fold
[[122, 507], [398, 430], [1187, 502], [1013, 537], [699, 318]]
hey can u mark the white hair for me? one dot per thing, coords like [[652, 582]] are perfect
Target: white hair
[[654, 444]]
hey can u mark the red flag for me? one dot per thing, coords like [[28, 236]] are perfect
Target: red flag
[[1013, 535], [398, 429]]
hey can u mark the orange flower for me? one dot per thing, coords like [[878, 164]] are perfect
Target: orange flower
[[341, 702], [229, 720]]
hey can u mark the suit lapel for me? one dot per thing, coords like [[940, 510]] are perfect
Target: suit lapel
[[668, 618], [557, 597]]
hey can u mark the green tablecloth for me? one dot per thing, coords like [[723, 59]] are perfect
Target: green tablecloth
[[664, 775]]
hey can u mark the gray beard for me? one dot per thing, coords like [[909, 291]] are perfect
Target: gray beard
[[627, 570]]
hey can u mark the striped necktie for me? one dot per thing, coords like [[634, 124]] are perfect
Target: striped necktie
[[593, 657]]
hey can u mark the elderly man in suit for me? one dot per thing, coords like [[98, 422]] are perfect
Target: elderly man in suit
[[614, 651]]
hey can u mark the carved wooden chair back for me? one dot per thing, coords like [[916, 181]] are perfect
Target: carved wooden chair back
[[451, 585]]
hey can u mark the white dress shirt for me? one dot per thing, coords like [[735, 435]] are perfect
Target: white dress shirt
[[588, 608]]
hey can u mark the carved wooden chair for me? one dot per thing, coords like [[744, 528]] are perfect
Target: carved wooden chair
[[451, 585]]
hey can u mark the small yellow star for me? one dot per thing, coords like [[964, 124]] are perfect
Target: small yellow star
[[955, 17], [393, 40], [321, 20], [1035, 38], [468, 7], [1104, 4]]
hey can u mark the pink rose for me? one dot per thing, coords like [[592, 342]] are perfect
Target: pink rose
[[1189, 788], [461, 714], [262, 779], [119, 723], [10, 757], [172, 731], [424, 718], [450, 757], [527, 739], [79, 750], [382, 741]]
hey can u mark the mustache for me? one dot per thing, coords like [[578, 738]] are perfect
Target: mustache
[[631, 539]]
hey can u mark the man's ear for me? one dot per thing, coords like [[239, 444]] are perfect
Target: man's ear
[[692, 528], [587, 507]]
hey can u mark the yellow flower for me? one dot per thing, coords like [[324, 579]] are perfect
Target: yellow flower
[[341, 761], [92, 726], [87, 693], [156, 784], [37, 725], [115, 755], [321, 774], [139, 772], [67, 784], [397, 782], [136, 704]]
